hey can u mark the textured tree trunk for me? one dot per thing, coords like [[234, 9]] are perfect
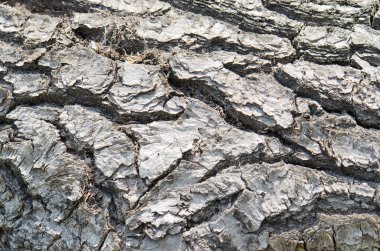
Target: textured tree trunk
[[189, 125]]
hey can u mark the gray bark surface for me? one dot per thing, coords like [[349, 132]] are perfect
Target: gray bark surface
[[190, 125]]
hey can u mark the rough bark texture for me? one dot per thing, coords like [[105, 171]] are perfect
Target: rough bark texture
[[190, 125]]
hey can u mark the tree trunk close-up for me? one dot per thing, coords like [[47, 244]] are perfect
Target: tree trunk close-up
[[181, 125]]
